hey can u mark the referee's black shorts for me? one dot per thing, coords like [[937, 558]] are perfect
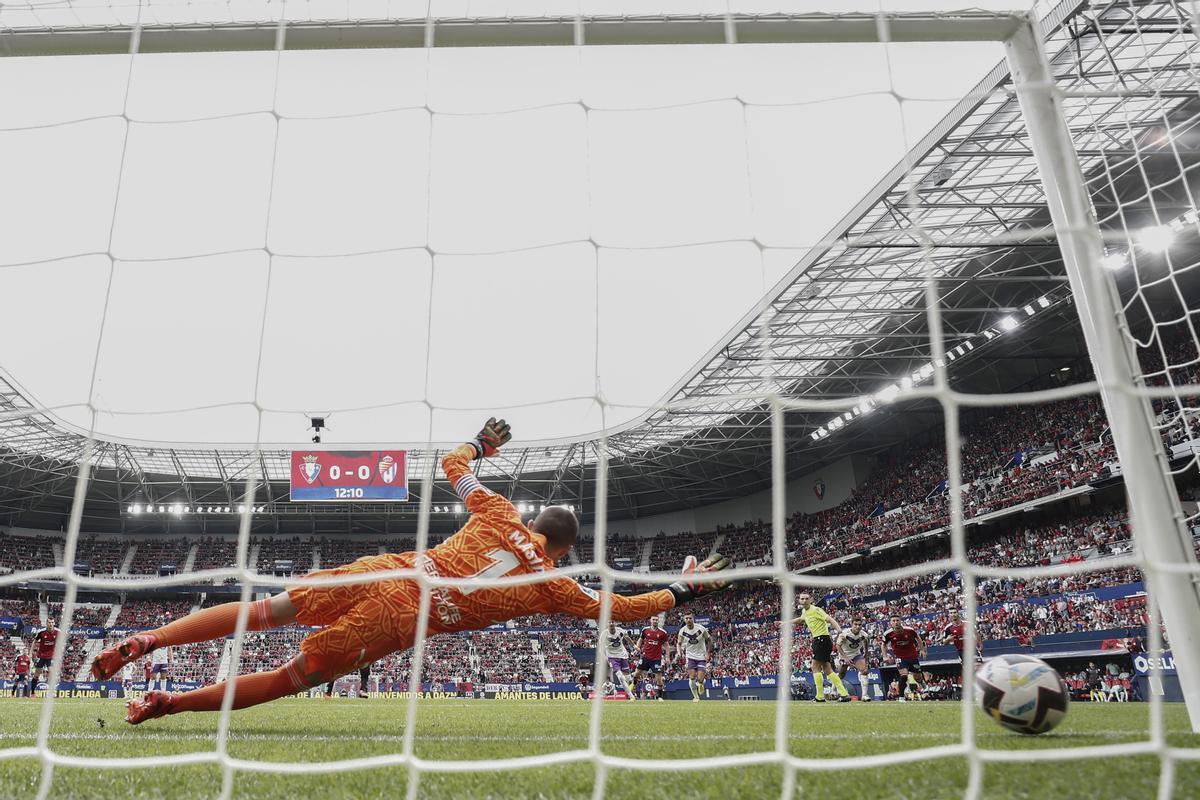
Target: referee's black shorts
[[823, 649]]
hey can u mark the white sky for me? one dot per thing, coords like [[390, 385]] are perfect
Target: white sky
[[512, 164]]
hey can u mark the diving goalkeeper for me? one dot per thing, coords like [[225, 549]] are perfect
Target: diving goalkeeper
[[360, 623]]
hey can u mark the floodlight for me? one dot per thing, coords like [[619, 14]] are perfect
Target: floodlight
[[1043, 301], [1008, 324], [1156, 239], [888, 393], [1113, 261]]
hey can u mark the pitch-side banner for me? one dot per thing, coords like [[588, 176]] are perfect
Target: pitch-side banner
[[331, 476]]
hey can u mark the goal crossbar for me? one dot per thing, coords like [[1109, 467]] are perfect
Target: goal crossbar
[[511, 32]]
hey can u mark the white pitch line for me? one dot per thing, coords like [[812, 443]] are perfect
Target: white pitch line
[[132, 736]]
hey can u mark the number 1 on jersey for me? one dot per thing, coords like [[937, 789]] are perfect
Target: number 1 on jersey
[[503, 562]]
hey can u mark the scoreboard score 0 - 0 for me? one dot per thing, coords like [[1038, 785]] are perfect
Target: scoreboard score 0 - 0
[[331, 476]]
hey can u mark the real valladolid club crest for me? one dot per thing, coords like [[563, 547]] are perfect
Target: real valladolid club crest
[[387, 469], [819, 489], [311, 468]]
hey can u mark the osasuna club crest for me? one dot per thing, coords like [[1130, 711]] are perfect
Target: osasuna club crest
[[311, 468], [819, 489], [387, 469]]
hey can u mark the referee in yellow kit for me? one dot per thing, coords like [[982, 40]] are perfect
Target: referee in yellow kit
[[818, 623]]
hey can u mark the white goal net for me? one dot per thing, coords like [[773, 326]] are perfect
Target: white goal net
[[500, 197]]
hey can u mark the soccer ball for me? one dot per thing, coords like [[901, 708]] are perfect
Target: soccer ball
[[1022, 693]]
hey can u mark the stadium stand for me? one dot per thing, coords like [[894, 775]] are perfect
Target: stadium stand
[[152, 554], [669, 551], [150, 613], [24, 552], [744, 622], [1010, 457]]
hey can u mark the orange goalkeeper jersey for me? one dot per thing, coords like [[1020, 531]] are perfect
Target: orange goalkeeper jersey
[[494, 543]]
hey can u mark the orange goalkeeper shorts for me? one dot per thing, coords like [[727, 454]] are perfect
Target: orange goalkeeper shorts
[[358, 623]]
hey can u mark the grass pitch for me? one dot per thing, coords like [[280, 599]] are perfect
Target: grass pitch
[[318, 730]]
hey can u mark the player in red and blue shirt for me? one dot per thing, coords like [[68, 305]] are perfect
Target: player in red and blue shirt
[[954, 634], [908, 649], [651, 642], [21, 674], [43, 646]]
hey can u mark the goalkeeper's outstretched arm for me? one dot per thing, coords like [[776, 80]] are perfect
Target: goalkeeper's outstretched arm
[[569, 597], [457, 467]]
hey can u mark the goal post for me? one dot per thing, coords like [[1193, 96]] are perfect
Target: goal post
[[1156, 515]]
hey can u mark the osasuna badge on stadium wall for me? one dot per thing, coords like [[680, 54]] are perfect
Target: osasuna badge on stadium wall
[[310, 469], [387, 469], [819, 489]]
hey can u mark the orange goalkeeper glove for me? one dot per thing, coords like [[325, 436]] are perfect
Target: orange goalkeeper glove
[[495, 434]]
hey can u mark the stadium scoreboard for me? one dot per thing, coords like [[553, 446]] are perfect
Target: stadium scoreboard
[[332, 476]]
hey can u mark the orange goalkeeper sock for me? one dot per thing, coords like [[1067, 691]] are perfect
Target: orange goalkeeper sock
[[250, 690], [213, 623]]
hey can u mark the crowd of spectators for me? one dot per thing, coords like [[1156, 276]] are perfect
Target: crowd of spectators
[[268, 650], [24, 608], [668, 552], [83, 614], [153, 554], [296, 550], [215, 553], [615, 546], [150, 613], [103, 556], [343, 551], [20, 553], [906, 491]]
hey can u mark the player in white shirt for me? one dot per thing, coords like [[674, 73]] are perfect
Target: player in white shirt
[[852, 651], [160, 667], [694, 644], [617, 644], [127, 677]]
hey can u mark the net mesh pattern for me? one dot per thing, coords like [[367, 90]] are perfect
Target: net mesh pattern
[[1129, 124]]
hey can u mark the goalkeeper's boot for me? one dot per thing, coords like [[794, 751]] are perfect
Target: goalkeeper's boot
[[151, 706], [105, 665]]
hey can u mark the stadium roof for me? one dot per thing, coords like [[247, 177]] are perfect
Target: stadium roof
[[846, 320]]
